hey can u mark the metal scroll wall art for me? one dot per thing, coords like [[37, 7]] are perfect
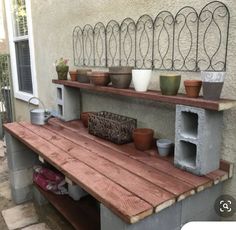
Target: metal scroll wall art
[[188, 41]]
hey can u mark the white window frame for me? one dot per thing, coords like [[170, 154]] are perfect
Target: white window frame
[[12, 47]]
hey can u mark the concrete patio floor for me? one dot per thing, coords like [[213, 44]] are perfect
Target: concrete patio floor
[[46, 214]]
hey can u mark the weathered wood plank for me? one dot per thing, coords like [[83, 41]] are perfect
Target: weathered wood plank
[[165, 166], [169, 183], [126, 205], [222, 104], [139, 186]]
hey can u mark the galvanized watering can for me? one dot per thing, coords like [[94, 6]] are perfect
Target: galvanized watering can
[[39, 116]]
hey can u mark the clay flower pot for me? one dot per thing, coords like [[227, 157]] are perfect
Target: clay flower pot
[[121, 76], [192, 88], [169, 83], [83, 75], [143, 138], [141, 79], [99, 78], [73, 75], [84, 118]]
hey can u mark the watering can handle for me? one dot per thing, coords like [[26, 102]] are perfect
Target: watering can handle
[[38, 100]]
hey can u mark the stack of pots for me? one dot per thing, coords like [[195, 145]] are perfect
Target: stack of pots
[[212, 84], [83, 75], [121, 76]]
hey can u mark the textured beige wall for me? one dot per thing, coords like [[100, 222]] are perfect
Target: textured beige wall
[[4, 48], [53, 23]]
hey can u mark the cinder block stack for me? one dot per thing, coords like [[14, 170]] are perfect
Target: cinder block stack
[[20, 162], [68, 103], [197, 139]]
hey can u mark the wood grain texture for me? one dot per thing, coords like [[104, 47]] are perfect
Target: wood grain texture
[[125, 204], [154, 163], [222, 104], [142, 188], [76, 212]]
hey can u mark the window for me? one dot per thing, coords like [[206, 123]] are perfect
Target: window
[[21, 48]]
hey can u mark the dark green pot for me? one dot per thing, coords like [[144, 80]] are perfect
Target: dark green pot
[[62, 72], [169, 83]]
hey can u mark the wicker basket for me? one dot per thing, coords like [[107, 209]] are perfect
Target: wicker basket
[[113, 127]]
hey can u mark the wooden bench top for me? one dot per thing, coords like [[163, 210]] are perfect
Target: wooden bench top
[[132, 183]]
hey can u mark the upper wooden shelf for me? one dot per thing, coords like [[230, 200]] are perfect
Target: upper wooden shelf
[[222, 104]]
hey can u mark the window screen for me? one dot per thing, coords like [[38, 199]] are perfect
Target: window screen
[[23, 66]]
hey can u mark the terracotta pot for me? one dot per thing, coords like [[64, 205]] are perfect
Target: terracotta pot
[[121, 76], [73, 75], [99, 78], [193, 87], [84, 117], [143, 138], [83, 75], [169, 83], [62, 71]]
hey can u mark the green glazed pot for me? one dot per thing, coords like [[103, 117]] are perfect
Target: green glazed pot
[[62, 71], [169, 83]]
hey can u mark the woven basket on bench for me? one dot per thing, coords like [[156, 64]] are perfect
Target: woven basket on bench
[[113, 127]]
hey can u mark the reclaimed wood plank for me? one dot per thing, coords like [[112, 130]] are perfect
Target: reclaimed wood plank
[[82, 214], [222, 104], [139, 186], [165, 166], [126, 205]]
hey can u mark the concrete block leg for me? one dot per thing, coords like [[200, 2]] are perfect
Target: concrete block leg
[[198, 139], [169, 218], [38, 197], [20, 162]]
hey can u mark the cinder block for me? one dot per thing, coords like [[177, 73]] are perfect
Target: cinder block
[[21, 178], [169, 218], [197, 139], [38, 197], [13, 145], [76, 192], [22, 159], [200, 207], [68, 103], [22, 195]]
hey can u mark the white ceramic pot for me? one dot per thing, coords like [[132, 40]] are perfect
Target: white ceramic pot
[[165, 147], [141, 79]]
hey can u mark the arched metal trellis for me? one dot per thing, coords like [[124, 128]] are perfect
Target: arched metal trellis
[[187, 41]]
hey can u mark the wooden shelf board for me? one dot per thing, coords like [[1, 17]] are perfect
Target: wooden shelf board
[[222, 104], [82, 214]]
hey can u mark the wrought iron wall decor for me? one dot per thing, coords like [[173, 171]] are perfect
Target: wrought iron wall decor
[[188, 41]]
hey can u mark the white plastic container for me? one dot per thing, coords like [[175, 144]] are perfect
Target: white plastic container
[[165, 147], [141, 79]]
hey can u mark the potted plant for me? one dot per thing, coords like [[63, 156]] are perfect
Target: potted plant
[[212, 84], [141, 79], [62, 68]]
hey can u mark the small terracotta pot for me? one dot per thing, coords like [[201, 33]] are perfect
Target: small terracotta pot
[[193, 87], [73, 75], [99, 78], [143, 138], [84, 117]]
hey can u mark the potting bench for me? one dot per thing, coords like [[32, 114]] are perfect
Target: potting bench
[[136, 190]]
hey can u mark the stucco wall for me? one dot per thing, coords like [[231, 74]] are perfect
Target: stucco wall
[[4, 49], [53, 23]]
